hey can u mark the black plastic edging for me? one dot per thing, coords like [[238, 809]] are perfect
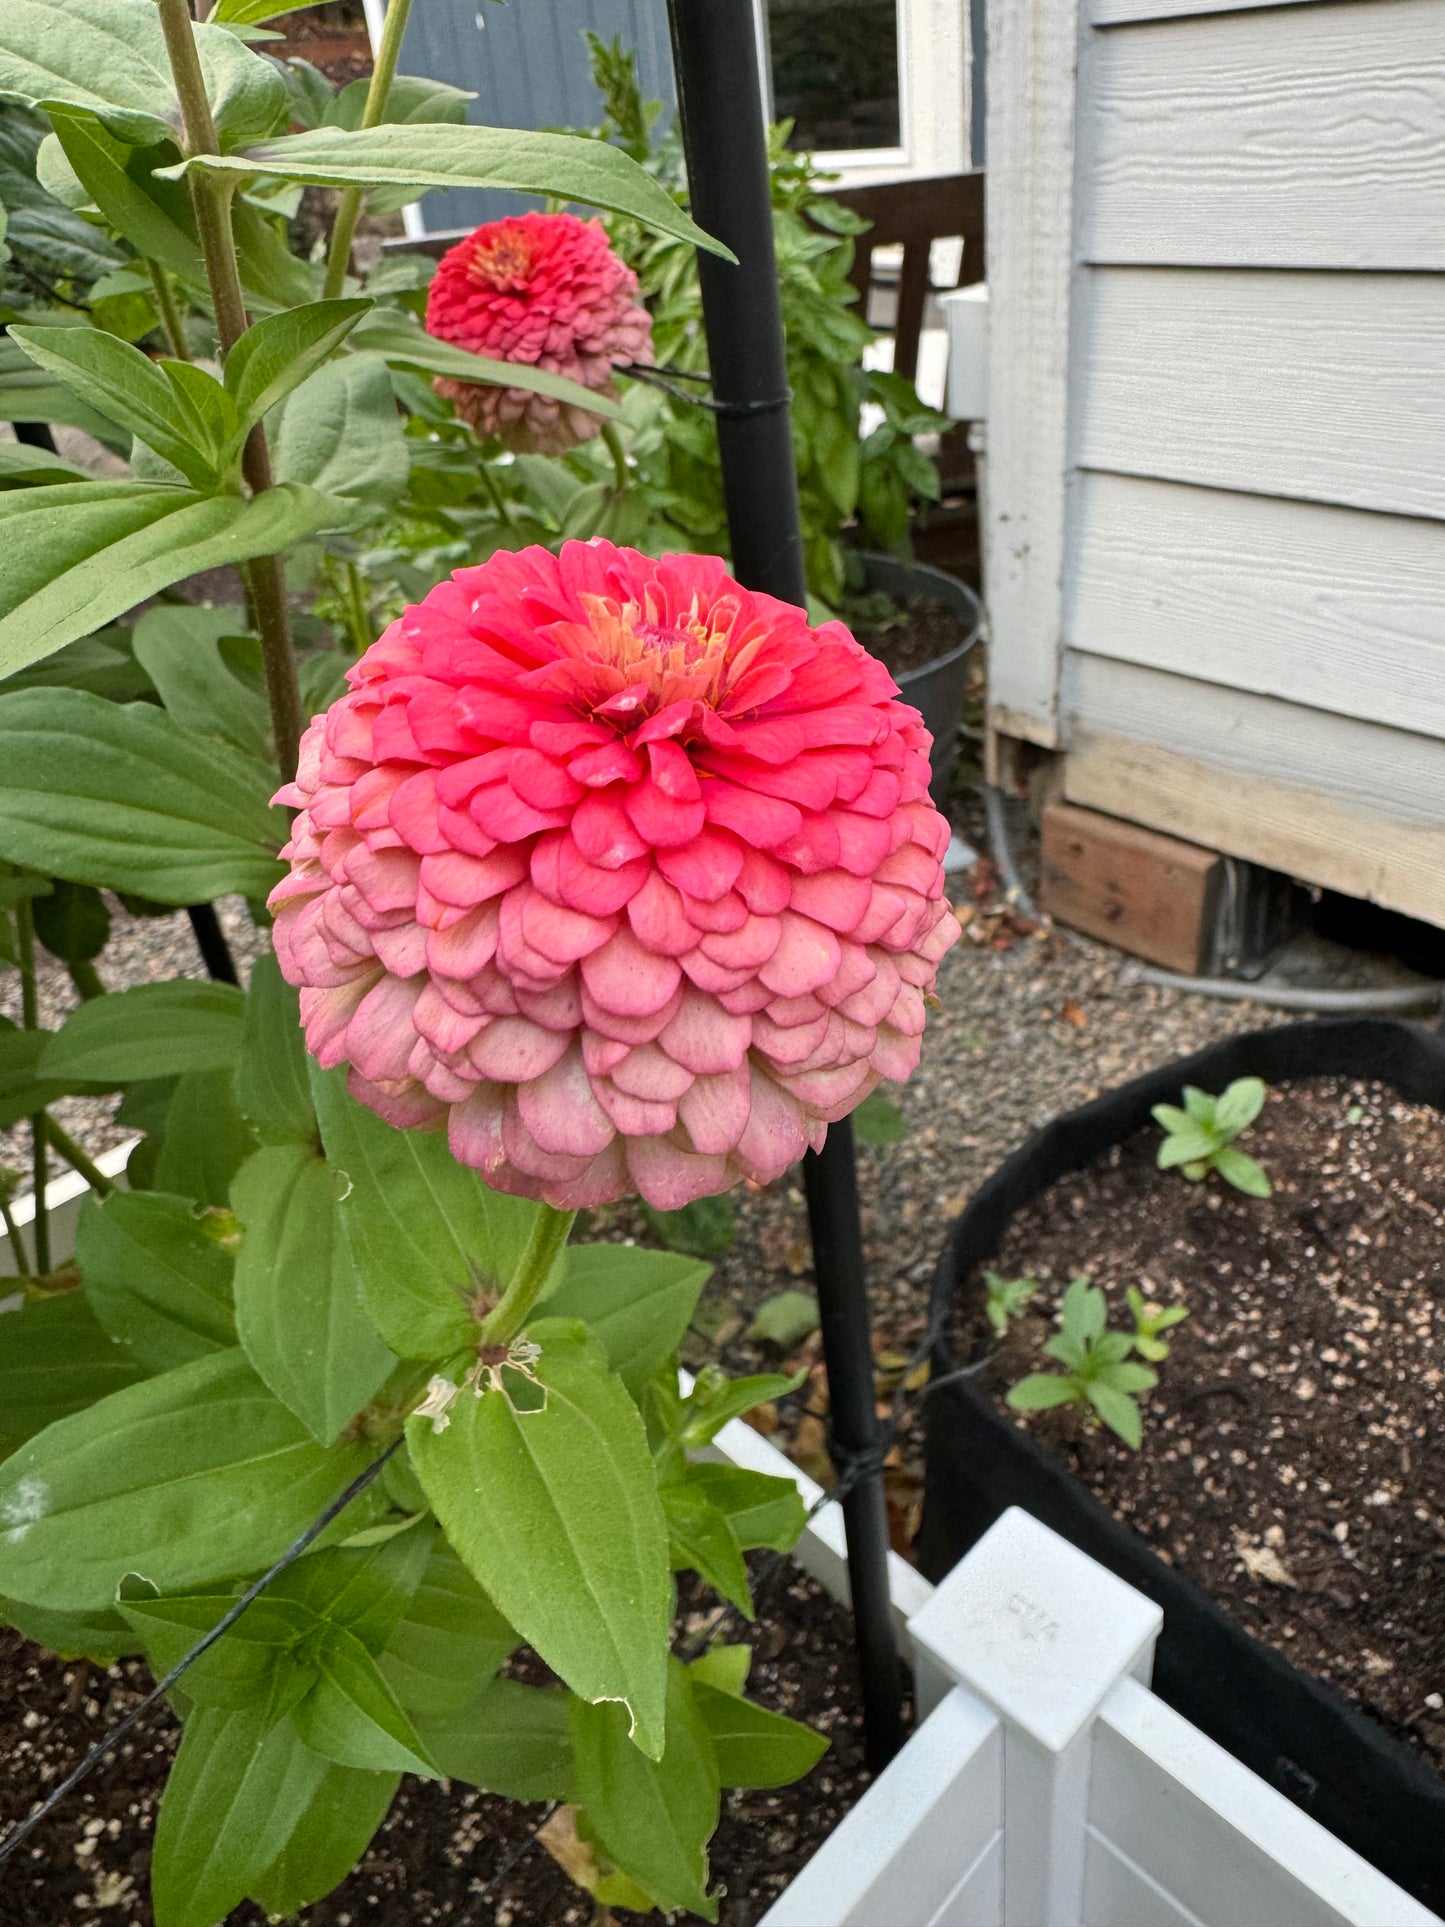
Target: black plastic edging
[[1297, 1732]]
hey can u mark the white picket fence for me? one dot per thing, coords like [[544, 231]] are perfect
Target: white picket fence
[[1045, 1785]]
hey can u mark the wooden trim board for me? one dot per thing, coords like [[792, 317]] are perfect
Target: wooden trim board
[[1329, 841], [1033, 49]]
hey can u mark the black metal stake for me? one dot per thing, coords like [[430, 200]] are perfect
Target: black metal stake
[[211, 942], [715, 55]]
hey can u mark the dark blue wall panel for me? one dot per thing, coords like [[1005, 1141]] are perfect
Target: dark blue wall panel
[[526, 61]]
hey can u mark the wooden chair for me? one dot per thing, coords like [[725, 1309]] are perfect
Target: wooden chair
[[916, 213]]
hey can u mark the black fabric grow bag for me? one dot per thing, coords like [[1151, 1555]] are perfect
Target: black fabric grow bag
[[1296, 1732]]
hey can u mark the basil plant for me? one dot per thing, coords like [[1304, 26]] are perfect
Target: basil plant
[[255, 1321]]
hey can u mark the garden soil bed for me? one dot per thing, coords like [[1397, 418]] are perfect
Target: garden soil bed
[[445, 1854], [1294, 1452]]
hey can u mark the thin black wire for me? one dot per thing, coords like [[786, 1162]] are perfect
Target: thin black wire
[[666, 378], [223, 1625], [514, 1859]]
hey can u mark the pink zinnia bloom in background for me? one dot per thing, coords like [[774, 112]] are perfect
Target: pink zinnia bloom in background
[[544, 289], [626, 875]]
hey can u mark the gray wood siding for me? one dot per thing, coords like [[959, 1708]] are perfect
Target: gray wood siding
[[1328, 607], [1301, 137], [1248, 643], [1336, 802], [1324, 387], [1107, 13], [1395, 771]]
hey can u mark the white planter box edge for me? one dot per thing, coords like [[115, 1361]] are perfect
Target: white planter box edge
[[1045, 1785]]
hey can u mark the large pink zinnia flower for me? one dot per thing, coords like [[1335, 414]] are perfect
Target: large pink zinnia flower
[[544, 289], [625, 874]]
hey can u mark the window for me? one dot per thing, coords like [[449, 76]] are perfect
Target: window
[[835, 72], [878, 89]]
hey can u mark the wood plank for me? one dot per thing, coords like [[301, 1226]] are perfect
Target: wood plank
[[1113, 13], [1277, 139], [1329, 607], [1032, 47], [1226, 1846], [1155, 896], [1388, 770], [1320, 386], [1339, 846], [1348, 806]]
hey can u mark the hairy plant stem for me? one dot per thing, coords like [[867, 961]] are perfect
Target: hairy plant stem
[[170, 314], [618, 454], [30, 1020], [348, 208], [211, 200], [549, 1235], [77, 1159]]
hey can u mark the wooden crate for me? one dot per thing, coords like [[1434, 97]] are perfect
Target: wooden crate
[[1152, 895]]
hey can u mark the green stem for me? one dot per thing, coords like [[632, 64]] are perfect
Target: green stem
[[499, 500], [348, 208], [17, 1243], [549, 1235], [86, 979], [358, 616], [77, 1159], [170, 314], [618, 454], [211, 201], [30, 1020], [267, 584]]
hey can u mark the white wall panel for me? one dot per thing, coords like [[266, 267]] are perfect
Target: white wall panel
[[1295, 137], [1226, 1847]]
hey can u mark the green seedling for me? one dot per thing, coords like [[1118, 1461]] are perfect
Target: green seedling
[[1149, 1320], [1200, 1138], [878, 1121], [1098, 1377], [1006, 1299]]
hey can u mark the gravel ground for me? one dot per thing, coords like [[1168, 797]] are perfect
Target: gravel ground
[[142, 950]]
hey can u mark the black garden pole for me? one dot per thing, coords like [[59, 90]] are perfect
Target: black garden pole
[[715, 55]]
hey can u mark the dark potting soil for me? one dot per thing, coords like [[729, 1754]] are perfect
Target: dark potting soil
[[907, 633], [1293, 1461], [440, 1851]]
